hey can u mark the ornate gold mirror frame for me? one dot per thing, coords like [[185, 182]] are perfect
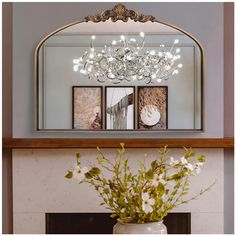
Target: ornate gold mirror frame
[[119, 12]]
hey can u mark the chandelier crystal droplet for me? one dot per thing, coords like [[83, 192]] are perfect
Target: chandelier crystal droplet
[[127, 60]]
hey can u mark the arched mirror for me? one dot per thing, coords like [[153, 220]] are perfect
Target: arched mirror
[[119, 71]]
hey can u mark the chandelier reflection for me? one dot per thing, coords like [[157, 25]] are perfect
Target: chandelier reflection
[[127, 60]]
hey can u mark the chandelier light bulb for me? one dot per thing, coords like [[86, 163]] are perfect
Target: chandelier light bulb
[[142, 34], [91, 55], [177, 50], [114, 42], [176, 57], [169, 55], [76, 61], [176, 41], [154, 76], [175, 72], [75, 68], [122, 37], [124, 60], [153, 52], [167, 67], [82, 71]]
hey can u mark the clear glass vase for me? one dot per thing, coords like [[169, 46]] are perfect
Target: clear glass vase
[[145, 228]]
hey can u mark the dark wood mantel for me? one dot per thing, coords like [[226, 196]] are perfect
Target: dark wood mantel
[[114, 143]]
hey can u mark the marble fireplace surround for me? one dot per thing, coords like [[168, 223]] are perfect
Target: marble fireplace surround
[[39, 186]]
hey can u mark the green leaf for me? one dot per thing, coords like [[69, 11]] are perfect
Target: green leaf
[[177, 185], [106, 190], [69, 175], [113, 215], [101, 160], [95, 171], [189, 153], [201, 158], [150, 174], [154, 165], [78, 157], [88, 175], [174, 177], [160, 187]]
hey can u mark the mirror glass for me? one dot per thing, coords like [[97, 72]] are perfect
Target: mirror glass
[[152, 92]]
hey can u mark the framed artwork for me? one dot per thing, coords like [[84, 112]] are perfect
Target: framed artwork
[[87, 107], [153, 107], [119, 107]]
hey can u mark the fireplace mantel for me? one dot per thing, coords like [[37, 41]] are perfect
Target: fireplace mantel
[[114, 143]]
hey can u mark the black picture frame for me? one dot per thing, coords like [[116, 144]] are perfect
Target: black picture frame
[[138, 109], [73, 107], [134, 107]]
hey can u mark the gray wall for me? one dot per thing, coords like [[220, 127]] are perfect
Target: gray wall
[[229, 116], [7, 210], [32, 21]]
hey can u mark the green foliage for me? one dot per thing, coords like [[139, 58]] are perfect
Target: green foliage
[[69, 175], [201, 158], [146, 195]]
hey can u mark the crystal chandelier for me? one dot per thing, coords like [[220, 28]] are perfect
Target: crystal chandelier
[[127, 60]]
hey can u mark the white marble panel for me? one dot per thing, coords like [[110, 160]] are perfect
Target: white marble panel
[[28, 223], [39, 185], [207, 223]]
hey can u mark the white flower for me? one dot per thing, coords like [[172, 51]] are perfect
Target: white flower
[[147, 203], [154, 182], [158, 179], [79, 173], [173, 161], [199, 164], [122, 210], [198, 170], [189, 167], [184, 160], [162, 181], [197, 167]]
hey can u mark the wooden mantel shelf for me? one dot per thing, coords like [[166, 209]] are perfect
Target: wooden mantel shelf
[[114, 143]]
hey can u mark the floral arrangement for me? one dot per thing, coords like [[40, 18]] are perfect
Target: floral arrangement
[[146, 195]]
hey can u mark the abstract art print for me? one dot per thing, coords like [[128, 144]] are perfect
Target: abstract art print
[[152, 107], [87, 107], [120, 108]]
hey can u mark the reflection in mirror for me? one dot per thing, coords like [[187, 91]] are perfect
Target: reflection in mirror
[[120, 108], [121, 59]]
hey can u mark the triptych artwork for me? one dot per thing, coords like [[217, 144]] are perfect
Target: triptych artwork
[[120, 108]]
